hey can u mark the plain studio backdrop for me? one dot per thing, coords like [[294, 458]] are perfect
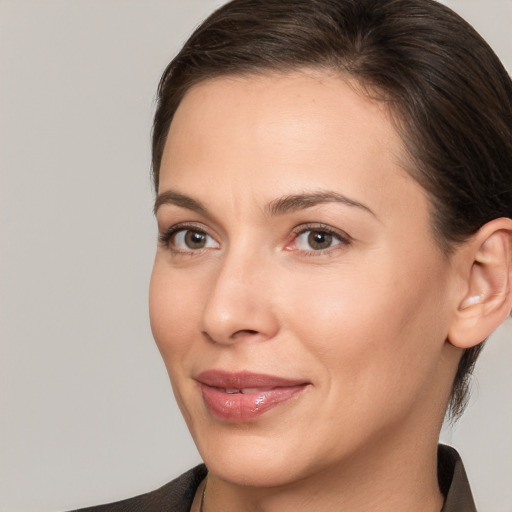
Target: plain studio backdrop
[[87, 414]]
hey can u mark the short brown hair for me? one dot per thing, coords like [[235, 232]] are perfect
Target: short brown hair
[[448, 92]]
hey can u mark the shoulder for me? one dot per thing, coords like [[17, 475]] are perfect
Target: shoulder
[[176, 495]]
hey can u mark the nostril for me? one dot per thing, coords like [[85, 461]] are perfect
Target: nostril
[[245, 332], [236, 335]]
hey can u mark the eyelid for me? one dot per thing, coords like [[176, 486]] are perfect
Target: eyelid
[[342, 236], [165, 236]]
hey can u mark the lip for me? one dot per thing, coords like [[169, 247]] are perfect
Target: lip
[[250, 394]]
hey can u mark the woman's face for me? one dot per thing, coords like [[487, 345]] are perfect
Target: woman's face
[[298, 298]]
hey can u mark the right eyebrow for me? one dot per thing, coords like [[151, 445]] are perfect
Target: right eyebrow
[[178, 199]]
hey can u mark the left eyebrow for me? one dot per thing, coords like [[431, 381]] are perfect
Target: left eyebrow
[[296, 202]]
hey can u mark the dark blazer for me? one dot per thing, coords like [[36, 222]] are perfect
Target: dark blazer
[[177, 496]]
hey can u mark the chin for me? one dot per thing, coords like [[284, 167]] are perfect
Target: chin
[[258, 471], [246, 459]]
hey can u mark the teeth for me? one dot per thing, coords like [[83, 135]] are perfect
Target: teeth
[[249, 390], [244, 391]]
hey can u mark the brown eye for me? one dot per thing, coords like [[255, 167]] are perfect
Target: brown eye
[[195, 239], [319, 240], [185, 240]]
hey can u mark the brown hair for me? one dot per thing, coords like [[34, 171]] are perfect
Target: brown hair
[[450, 96]]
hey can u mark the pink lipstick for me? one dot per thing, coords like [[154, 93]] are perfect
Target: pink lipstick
[[245, 396]]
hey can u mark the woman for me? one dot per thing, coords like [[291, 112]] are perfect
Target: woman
[[334, 207]]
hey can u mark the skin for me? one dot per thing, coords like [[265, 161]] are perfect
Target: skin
[[354, 320]]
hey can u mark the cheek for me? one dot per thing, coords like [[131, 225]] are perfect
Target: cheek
[[369, 326], [334, 320], [172, 305]]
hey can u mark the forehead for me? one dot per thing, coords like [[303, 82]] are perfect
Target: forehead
[[303, 102], [302, 130]]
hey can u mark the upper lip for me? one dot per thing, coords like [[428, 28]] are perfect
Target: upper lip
[[244, 380]]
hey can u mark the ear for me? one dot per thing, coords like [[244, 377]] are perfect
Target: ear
[[487, 296]]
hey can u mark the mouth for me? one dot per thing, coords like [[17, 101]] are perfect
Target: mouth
[[245, 391], [243, 396]]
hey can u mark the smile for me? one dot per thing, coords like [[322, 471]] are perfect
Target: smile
[[241, 397]]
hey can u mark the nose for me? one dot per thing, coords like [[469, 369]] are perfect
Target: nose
[[239, 304]]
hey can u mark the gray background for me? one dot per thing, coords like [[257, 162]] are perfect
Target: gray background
[[86, 413]]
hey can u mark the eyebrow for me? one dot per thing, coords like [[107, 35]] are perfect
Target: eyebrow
[[181, 200], [295, 202], [280, 206]]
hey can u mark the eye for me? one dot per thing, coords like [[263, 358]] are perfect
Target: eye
[[317, 239], [181, 239], [193, 239]]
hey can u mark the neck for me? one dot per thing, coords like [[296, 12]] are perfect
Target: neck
[[384, 480]]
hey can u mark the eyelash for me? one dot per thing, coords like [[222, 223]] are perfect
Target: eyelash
[[166, 237], [344, 240]]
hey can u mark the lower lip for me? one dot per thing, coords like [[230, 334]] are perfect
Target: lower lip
[[245, 407]]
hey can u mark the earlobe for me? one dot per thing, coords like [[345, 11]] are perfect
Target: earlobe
[[487, 298]]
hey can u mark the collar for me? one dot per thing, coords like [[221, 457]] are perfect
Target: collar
[[453, 481]]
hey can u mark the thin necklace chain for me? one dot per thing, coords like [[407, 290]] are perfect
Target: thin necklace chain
[[201, 507]]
